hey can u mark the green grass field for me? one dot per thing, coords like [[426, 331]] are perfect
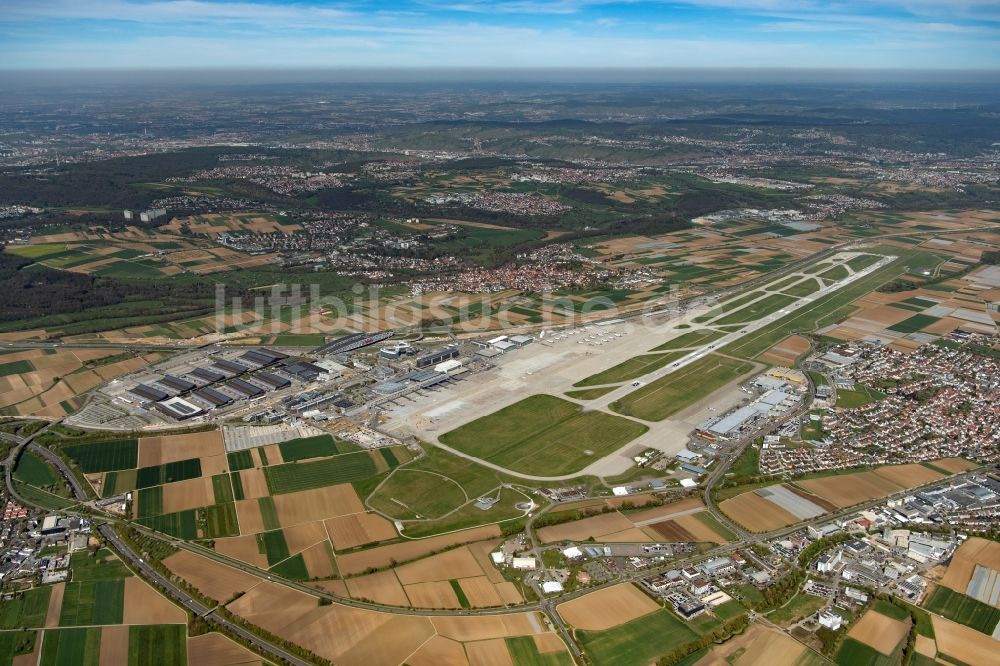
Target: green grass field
[[913, 324], [425, 495], [183, 524], [27, 609], [157, 644], [35, 471], [116, 483], [220, 521], [320, 446], [105, 456], [222, 489], [859, 398], [92, 602], [670, 394], [728, 305], [150, 502], [99, 566], [834, 274], [690, 339], [755, 311], [168, 473], [71, 647], [630, 369], [292, 477], [636, 643], [589, 394], [273, 545], [268, 513], [963, 609], [713, 523], [239, 460], [523, 652], [797, 608], [856, 653], [543, 434], [803, 288], [15, 643], [294, 568], [237, 484], [15, 368]]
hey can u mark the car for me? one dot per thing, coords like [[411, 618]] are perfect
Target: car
[[675, 365], [636, 383]]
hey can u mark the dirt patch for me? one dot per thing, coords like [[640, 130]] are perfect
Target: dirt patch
[[273, 607], [438, 651], [764, 647], [878, 631], [243, 548], [607, 608], [384, 556], [926, 646], [311, 505], [144, 605], [382, 587], [248, 514], [303, 536], [214, 649], [756, 513], [438, 594], [457, 563], [358, 529], [171, 448], [485, 627], [581, 530], [960, 642], [974, 551], [318, 560], [480, 592], [953, 465], [548, 643], [188, 494], [114, 644], [908, 476], [849, 489], [212, 579], [254, 483], [509, 593], [55, 605], [489, 653], [699, 530]]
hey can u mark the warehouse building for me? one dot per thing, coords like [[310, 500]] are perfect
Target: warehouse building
[[178, 409], [302, 370], [145, 394], [230, 369], [434, 358], [246, 389], [272, 380], [206, 376], [210, 397], [176, 383]]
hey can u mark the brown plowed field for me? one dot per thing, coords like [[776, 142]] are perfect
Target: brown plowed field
[[607, 608], [457, 563], [485, 627], [489, 653], [55, 605], [248, 514], [665, 511], [548, 643], [967, 645], [699, 530], [211, 578], [880, 632], [384, 556], [273, 607], [438, 594], [303, 536], [815, 499], [214, 649], [358, 529], [954, 465], [188, 494], [144, 605], [318, 561], [509, 593], [481, 551], [114, 644], [760, 647], [849, 489], [926, 646], [756, 513], [171, 448], [631, 535], [243, 548], [319, 504], [974, 551], [254, 483], [439, 651], [212, 465], [669, 530], [480, 592], [382, 587], [908, 476], [581, 530]]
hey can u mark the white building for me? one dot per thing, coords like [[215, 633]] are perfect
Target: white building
[[830, 620]]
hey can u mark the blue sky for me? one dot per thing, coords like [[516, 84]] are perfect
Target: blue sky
[[869, 34]]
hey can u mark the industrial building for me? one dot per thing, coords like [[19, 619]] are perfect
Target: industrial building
[[353, 342], [434, 358], [230, 369], [145, 394], [176, 383], [178, 409], [302, 370], [212, 397], [272, 380], [204, 375], [246, 389]]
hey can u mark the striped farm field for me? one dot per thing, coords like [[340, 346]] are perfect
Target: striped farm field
[[105, 456], [292, 477]]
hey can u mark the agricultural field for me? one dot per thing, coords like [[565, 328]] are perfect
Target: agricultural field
[[879, 632], [963, 609], [51, 382], [607, 608], [762, 646], [543, 434]]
